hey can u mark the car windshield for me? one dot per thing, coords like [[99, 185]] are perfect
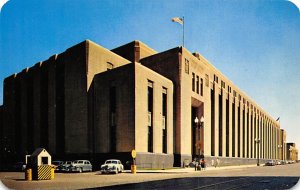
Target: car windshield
[[111, 162]]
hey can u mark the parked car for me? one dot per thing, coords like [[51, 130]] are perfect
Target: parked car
[[65, 167], [282, 162], [278, 162], [56, 164], [270, 163], [112, 166], [80, 166]]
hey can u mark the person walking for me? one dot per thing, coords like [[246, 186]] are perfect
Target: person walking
[[202, 164]]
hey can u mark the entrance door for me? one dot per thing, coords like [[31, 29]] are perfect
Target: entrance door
[[197, 131]]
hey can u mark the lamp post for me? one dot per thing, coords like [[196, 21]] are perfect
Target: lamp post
[[257, 141], [198, 126]]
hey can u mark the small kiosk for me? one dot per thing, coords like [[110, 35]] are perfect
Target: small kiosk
[[39, 162]]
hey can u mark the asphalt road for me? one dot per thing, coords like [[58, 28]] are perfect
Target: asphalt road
[[207, 183], [266, 178]]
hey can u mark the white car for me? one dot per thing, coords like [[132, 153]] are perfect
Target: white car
[[81, 166], [112, 166]]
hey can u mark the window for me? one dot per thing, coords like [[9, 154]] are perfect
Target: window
[[223, 84], [186, 66], [201, 87], [193, 82], [216, 79], [150, 116], [234, 93], [164, 119], [229, 89], [197, 84], [109, 66], [44, 160]]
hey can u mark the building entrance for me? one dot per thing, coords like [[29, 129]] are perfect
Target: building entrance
[[197, 125]]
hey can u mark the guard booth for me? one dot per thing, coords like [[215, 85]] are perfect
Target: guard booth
[[40, 164]]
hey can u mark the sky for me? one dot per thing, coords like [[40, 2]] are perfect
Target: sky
[[255, 43]]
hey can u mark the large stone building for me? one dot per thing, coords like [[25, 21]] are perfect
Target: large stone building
[[94, 103]]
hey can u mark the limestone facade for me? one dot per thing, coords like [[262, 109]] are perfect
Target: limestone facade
[[171, 107]]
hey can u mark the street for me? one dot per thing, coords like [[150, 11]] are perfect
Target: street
[[207, 183], [244, 177]]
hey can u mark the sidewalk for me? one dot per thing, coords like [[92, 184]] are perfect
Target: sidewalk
[[190, 170]]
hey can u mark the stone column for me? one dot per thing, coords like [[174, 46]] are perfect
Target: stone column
[[246, 131], [241, 122]]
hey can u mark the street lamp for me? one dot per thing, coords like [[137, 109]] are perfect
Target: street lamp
[[257, 141], [199, 125]]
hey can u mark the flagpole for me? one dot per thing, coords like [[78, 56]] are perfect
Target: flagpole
[[183, 31]]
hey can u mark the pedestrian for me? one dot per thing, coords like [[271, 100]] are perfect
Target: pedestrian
[[202, 164], [212, 162]]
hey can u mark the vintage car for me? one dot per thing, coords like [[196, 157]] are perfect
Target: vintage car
[[80, 166], [65, 167], [112, 166], [270, 163], [57, 164]]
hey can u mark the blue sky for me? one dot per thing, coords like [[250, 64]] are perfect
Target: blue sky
[[255, 43]]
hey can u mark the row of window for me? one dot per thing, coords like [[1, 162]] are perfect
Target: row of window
[[150, 118], [263, 129], [197, 84], [235, 94], [112, 106]]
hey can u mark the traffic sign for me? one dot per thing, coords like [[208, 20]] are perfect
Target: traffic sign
[[133, 153]]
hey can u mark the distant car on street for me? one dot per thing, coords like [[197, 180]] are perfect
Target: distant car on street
[[278, 162], [282, 162], [80, 166], [270, 163], [112, 166]]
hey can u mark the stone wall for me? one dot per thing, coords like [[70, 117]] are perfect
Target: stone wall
[[154, 161]]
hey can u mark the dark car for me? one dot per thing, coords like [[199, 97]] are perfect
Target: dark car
[[270, 163], [57, 164], [65, 167]]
